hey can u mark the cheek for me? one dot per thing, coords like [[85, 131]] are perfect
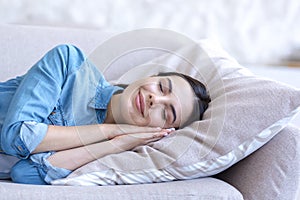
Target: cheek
[[128, 112], [138, 120], [156, 120], [131, 116]]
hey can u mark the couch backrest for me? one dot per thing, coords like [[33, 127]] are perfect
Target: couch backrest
[[22, 46]]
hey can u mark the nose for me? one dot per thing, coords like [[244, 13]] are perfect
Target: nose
[[154, 99]]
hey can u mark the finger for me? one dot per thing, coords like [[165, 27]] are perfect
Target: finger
[[127, 129], [152, 140], [170, 129], [158, 136], [147, 136], [165, 132], [161, 134]]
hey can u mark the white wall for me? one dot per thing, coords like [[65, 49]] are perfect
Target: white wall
[[253, 31]]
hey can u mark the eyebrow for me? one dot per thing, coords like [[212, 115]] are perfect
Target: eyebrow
[[172, 107]]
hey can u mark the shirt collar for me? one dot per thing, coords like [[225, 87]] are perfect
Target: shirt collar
[[103, 96]]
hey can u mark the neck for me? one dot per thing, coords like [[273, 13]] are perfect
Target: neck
[[109, 116]]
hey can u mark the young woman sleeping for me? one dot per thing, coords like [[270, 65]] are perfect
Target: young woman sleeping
[[63, 114]]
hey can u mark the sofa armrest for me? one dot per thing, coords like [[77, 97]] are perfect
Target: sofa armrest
[[272, 172]]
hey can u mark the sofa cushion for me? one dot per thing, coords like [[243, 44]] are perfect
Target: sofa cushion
[[246, 111], [273, 172], [206, 188]]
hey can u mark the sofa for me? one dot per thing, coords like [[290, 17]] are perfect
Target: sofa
[[272, 172]]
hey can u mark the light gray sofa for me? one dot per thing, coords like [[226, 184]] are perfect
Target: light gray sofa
[[272, 172]]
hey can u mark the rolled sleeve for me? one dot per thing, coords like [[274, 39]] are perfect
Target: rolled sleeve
[[47, 170], [32, 134]]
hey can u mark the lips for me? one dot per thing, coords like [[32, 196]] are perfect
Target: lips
[[139, 102]]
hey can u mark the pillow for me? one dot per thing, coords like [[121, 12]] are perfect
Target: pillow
[[246, 111]]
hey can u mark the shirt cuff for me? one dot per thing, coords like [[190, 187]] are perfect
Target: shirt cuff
[[31, 134], [47, 171]]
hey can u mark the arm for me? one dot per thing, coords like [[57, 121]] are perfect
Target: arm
[[35, 98], [63, 137], [74, 158]]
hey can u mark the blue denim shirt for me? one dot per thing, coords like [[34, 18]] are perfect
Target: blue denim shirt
[[63, 89]]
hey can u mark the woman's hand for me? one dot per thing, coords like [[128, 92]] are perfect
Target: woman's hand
[[73, 158], [114, 130], [130, 141]]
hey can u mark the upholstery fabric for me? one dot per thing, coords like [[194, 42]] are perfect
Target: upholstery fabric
[[264, 174], [207, 188]]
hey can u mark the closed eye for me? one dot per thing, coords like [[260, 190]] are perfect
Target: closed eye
[[164, 115], [160, 87]]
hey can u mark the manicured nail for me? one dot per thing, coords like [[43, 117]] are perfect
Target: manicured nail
[[171, 129]]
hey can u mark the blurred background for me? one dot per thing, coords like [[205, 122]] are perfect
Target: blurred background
[[253, 31], [263, 35]]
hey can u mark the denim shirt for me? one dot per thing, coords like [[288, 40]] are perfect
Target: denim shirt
[[63, 89]]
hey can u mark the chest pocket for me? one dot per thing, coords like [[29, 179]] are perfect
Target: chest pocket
[[56, 117]]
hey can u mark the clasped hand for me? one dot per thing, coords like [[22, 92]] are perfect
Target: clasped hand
[[127, 137]]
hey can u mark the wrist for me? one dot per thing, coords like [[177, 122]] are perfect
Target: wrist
[[105, 130], [118, 144]]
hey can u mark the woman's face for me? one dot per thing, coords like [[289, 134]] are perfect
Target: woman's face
[[160, 101]]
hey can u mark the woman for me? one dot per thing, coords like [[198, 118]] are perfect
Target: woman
[[63, 114]]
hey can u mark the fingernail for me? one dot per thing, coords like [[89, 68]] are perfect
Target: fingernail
[[166, 134], [171, 129]]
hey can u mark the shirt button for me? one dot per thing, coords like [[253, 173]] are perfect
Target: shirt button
[[20, 148]]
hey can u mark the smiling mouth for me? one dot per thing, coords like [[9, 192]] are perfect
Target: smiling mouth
[[139, 102]]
